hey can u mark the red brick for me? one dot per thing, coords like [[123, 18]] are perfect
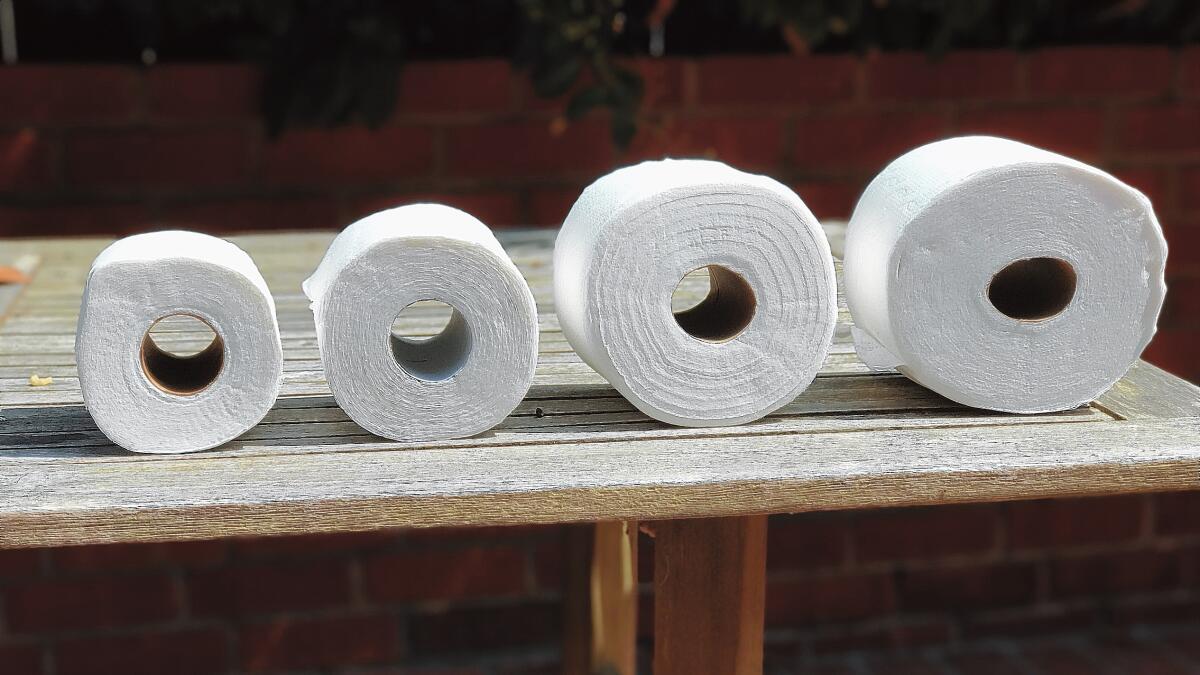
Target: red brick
[[940, 532], [20, 563], [836, 598], [75, 219], [519, 149], [957, 75], [139, 556], [492, 628], [1189, 71], [348, 155], [1177, 512], [1115, 573], [1175, 351], [25, 161], [184, 652], [299, 644], [64, 94], [1100, 71], [901, 664], [477, 85], [747, 142], [1123, 655], [806, 541], [550, 206], [662, 81], [1188, 643], [21, 659], [269, 587], [314, 545], [90, 603], [1163, 128], [662, 86], [1181, 310], [989, 662], [135, 158], [494, 208], [1073, 522], [872, 635], [830, 199], [1037, 621], [776, 80], [1076, 132], [1059, 659], [958, 589], [414, 576], [1143, 611], [240, 215], [1189, 188], [864, 140], [203, 92]]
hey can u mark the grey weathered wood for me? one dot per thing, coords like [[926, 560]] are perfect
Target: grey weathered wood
[[574, 450]]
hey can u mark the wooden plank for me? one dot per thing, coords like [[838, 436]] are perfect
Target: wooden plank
[[58, 502], [574, 450], [614, 598], [709, 590]]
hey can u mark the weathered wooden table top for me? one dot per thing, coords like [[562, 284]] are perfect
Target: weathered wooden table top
[[574, 450]]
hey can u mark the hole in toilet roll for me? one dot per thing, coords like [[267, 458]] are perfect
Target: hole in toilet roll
[[1033, 289], [725, 309], [430, 340], [182, 354]]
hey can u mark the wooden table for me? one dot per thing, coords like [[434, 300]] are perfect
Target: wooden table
[[574, 451]]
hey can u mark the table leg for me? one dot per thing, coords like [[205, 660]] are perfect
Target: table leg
[[600, 627], [709, 589]]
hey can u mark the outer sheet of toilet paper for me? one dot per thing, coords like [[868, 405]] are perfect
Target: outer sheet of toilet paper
[[934, 227], [146, 277], [386, 261], [632, 236]]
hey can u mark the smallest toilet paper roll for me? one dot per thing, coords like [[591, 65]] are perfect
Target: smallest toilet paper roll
[[458, 383], [148, 400]]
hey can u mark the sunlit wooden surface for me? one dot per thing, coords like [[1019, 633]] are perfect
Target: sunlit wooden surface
[[573, 451]]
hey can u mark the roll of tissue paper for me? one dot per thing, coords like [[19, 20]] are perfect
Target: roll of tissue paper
[[458, 383], [1003, 276], [149, 400], [756, 340]]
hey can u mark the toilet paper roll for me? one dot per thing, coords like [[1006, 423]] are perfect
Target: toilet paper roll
[[1003, 276], [148, 400], [459, 383], [758, 338]]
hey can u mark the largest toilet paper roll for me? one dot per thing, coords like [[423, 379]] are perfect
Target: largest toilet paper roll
[[148, 400], [459, 383], [1003, 276], [752, 345]]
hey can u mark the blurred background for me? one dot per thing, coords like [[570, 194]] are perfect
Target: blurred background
[[121, 116]]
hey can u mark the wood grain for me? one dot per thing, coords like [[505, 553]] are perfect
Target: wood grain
[[573, 451], [614, 595], [709, 590]]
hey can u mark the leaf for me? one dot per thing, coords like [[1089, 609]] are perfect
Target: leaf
[[585, 100], [557, 78]]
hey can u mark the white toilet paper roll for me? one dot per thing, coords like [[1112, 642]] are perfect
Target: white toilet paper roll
[[148, 400], [459, 383], [758, 338], [1003, 276]]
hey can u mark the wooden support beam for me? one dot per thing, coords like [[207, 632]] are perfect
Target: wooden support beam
[[614, 598], [709, 586]]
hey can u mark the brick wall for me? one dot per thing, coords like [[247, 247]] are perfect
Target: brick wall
[[109, 149], [88, 149], [490, 601]]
